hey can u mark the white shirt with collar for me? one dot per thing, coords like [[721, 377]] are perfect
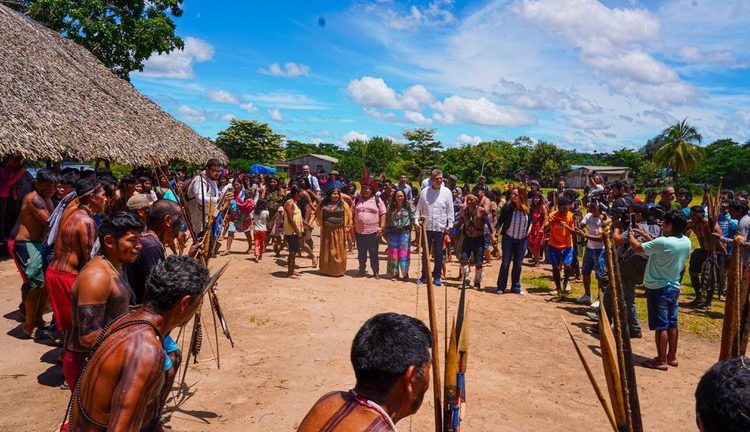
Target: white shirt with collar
[[436, 205]]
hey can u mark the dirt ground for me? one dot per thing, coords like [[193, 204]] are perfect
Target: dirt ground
[[292, 340]]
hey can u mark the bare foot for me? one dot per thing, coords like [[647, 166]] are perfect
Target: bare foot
[[294, 276], [673, 362], [225, 253], [256, 258], [655, 364]]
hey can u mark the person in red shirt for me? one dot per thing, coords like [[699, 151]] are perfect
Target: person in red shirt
[[560, 247]]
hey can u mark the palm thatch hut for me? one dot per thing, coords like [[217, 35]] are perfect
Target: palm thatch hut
[[58, 101]]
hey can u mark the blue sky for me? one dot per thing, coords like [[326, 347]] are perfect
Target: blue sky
[[586, 74]]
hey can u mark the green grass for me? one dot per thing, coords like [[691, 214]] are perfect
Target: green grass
[[702, 323]]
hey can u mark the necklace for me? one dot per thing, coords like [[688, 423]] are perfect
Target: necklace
[[370, 404]]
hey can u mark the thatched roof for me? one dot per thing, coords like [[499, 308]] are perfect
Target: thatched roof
[[57, 100]]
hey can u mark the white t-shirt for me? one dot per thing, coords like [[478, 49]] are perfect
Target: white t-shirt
[[594, 224], [260, 223]]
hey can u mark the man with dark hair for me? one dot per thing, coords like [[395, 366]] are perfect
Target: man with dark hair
[[293, 229], [560, 247], [435, 208], [101, 292], [738, 210], [203, 194], [391, 359], [73, 241], [121, 385], [26, 247], [722, 398], [404, 187], [706, 234], [666, 260], [66, 185], [125, 190]]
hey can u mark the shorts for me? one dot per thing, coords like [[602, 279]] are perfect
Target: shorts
[[591, 261], [662, 307], [29, 258], [293, 243], [58, 289], [473, 246], [170, 346], [557, 256], [73, 363]]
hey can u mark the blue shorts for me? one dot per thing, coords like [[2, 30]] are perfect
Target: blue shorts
[[473, 246], [591, 262], [557, 256], [662, 307], [170, 346]]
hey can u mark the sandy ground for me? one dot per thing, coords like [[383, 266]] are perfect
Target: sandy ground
[[292, 345]]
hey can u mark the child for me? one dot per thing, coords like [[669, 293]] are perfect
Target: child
[[260, 227], [277, 232], [560, 247]]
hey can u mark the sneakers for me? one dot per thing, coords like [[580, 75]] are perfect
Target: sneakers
[[376, 275], [595, 304], [437, 282], [519, 292], [500, 291], [361, 273], [567, 288], [421, 281], [593, 316], [477, 286], [584, 299]]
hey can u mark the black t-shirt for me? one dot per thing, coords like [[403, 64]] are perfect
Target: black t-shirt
[[151, 255]]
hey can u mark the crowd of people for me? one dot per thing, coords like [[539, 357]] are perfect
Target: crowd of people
[[85, 243]]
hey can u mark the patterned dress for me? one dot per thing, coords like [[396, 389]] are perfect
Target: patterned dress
[[536, 237], [399, 223]]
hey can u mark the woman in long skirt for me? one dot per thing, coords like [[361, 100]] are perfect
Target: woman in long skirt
[[334, 218], [400, 219], [538, 219]]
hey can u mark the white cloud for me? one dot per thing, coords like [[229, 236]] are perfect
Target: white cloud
[[373, 92], [228, 117], [416, 96], [249, 107], [417, 117], [290, 101], [353, 136], [587, 124], [179, 63], [222, 96], [275, 115], [190, 114], [395, 16], [481, 111], [379, 115], [289, 70], [468, 139]]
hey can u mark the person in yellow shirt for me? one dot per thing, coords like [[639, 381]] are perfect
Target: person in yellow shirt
[[560, 247]]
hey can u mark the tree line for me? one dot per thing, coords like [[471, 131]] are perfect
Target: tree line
[[674, 156]]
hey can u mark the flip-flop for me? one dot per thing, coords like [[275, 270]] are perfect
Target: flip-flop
[[653, 364], [673, 363]]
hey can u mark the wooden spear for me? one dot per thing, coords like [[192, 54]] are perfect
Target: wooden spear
[[437, 388]]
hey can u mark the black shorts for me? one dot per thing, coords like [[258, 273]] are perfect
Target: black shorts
[[293, 243]]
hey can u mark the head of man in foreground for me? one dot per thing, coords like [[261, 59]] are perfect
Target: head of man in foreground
[[120, 387], [391, 360], [722, 398]]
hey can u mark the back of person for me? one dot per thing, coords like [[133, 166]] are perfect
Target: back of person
[[340, 412], [260, 221], [667, 256]]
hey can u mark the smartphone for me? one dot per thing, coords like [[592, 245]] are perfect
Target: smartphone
[[632, 220]]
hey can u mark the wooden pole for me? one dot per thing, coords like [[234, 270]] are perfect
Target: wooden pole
[[437, 388]]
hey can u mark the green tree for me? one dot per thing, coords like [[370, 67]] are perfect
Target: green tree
[[546, 161], [376, 154], [424, 148], [629, 158], [680, 150], [728, 160], [121, 34], [251, 140], [295, 149], [651, 147]]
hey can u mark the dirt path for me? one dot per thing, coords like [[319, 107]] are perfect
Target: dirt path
[[292, 345]]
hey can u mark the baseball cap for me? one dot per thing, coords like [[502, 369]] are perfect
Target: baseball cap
[[137, 202]]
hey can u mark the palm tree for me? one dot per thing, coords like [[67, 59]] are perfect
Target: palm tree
[[679, 150]]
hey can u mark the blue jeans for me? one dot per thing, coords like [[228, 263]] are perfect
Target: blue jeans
[[435, 243], [513, 249], [662, 307]]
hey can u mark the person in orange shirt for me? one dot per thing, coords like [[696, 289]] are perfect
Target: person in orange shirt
[[560, 247]]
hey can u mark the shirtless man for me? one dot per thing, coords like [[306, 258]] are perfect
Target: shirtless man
[[392, 378], [471, 221], [101, 293], [121, 385], [75, 238], [705, 234], [27, 249]]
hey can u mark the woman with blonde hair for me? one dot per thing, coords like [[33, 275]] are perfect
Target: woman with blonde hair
[[514, 223]]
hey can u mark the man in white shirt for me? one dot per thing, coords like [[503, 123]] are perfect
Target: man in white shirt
[[595, 181], [314, 184], [436, 209]]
